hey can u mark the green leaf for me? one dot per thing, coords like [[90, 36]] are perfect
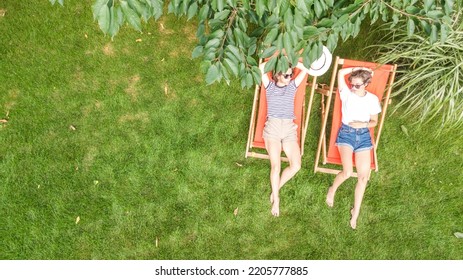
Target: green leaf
[[197, 52], [212, 74], [318, 8], [284, 6], [256, 74], [223, 15], [428, 4], [114, 22], [260, 7], [436, 14], [426, 26], [341, 21], [412, 10], [287, 42], [271, 36], [212, 43], [448, 6], [288, 19], [203, 12], [231, 66], [270, 65], [157, 8], [201, 30], [220, 5], [325, 22], [104, 19], [301, 5], [249, 80], [332, 42], [443, 34], [410, 27], [434, 36], [310, 31], [140, 8], [268, 52], [279, 43], [97, 7], [235, 51], [192, 10], [131, 16]]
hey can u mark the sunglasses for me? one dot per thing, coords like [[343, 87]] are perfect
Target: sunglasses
[[286, 76], [358, 86]]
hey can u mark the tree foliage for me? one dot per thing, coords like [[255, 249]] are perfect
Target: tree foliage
[[233, 34], [431, 75]]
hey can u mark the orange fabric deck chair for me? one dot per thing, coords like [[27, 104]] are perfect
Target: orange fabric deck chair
[[255, 146], [381, 86]]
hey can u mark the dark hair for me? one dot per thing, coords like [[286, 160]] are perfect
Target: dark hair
[[362, 74]]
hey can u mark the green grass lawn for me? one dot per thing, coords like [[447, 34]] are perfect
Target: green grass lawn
[[119, 150]]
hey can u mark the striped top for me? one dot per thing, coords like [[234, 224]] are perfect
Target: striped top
[[280, 100]]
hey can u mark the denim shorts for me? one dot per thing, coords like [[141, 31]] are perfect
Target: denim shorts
[[284, 130], [358, 139]]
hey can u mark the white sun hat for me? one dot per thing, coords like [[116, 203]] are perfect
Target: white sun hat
[[322, 64]]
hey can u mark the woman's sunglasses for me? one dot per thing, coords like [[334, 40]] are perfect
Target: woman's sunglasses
[[357, 86], [286, 76]]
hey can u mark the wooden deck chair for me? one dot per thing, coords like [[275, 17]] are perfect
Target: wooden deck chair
[[255, 146], [381, 86]]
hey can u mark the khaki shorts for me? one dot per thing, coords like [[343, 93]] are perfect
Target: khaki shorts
[[284, 130]]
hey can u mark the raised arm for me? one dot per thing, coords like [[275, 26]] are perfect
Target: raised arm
[[341, 77], [265, 79], [300, 77]]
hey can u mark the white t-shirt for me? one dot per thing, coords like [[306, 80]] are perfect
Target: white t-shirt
[[358, 108]]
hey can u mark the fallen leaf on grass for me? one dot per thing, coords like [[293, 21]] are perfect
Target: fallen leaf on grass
[[166, 88], [2, 12], [157, 242], [3, 121], [71, 127], [404, 129], [86, 36], [77, 220], [138, 40], [235, 212], [458, 234], [96, 182], [239, 164]]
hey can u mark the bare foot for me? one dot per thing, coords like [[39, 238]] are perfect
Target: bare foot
[[276, 207], [353, 218], [330, 197]]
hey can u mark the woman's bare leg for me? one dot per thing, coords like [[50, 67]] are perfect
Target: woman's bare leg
[[293, 152], [362, 164], [346, 159], [274, 151]]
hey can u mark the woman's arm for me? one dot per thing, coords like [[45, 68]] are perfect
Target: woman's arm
[[372, 123], [265, 79], [341, 77], [300, 77]]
